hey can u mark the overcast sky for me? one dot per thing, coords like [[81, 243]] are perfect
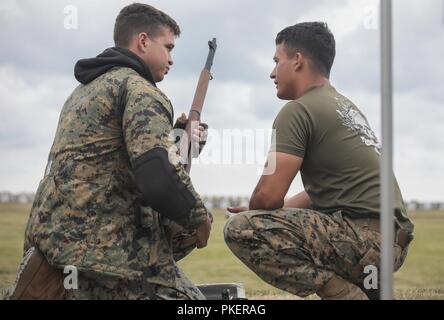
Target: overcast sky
[[38, 54]]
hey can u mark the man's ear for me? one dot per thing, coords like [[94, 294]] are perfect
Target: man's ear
[[297, 61], [143, 41]]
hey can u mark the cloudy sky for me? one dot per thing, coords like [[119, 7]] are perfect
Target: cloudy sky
[[38, 53]]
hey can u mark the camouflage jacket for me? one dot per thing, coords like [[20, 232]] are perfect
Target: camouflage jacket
[[86, 211]]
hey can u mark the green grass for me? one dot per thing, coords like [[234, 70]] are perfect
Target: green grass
[[422, 274], [421, 277], [13, 218]]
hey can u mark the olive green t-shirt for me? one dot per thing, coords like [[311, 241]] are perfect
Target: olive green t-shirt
[[340, 170]]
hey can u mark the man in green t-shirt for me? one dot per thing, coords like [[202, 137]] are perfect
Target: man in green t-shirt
[[324, 239]]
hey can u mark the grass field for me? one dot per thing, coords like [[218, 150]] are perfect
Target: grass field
[[421, 277]]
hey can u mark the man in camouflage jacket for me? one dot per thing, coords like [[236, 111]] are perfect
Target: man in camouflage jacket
[[114, 193]]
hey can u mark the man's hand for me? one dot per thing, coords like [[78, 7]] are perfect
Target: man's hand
[[199, 135], [232, 211], [237, 209], [181, 122], [203, 233]]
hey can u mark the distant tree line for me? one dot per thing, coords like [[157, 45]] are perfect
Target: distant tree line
[[210, 201], [418, 205], [9, 197], [218, 201]]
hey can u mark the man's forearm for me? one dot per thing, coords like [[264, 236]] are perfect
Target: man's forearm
[[301, 200]]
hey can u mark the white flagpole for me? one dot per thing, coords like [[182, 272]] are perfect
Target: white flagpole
[[387, 182]]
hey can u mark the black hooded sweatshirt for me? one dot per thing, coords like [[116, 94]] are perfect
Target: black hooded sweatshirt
[[86, 70]]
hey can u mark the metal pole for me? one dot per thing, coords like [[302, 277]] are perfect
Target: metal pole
[[387, 183]]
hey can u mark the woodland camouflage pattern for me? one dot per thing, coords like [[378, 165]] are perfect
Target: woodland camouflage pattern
[[300, 250], [86, 211]]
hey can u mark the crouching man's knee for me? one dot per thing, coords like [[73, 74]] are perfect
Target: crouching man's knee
[[237, 232]]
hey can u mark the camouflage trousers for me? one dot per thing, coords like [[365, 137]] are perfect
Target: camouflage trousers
[[99, 287], [96, 286], [300, 250]]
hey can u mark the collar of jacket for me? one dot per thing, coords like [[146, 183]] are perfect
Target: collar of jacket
[[86, 70]]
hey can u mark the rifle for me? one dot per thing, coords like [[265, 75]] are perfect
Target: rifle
[[186, 146]]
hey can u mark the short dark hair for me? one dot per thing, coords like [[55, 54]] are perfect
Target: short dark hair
[[139, 17], [312, 38]]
